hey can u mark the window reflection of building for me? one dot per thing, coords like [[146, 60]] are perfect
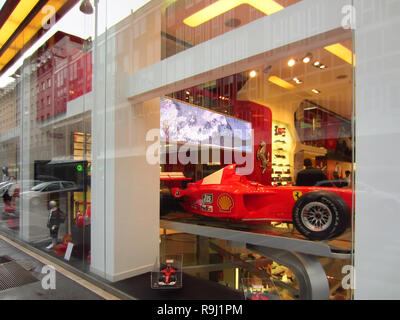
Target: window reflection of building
[[319, 127], [9, 122], [63, 62]]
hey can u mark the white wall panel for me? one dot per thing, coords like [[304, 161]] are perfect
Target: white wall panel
[[377, 241]]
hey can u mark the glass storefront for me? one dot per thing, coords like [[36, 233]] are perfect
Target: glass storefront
[[220, 131], [46, 135]]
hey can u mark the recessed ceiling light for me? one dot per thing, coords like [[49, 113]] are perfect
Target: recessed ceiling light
[[316, 91], [297, 80], [317, 64], [252, 74], [322, 66], [307, 58], [267, 69], [233, 23], [291, 62]]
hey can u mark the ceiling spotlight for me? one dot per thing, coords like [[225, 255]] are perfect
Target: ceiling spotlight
[[233, 23], [307, 58], [316, 91], [86, 7], [297, 80], [291, 62], [267, 69], [322, 66], [252, 74], [317, 64]]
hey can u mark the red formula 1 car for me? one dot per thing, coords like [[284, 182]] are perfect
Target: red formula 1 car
[[318, 213], [168, 276]]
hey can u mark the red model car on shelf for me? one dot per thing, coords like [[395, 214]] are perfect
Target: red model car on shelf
[[318, 213], [168, 276]]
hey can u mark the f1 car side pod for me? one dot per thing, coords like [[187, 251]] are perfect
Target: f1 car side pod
[[318, 213]]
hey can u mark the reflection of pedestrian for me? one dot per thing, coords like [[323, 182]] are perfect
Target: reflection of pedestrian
[[9, 191], [348, 177], [309, 176], [6, 197], [338, 170], [4, 172], [56, 217], [337, 181]]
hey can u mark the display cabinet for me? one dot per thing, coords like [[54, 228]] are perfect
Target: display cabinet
[[302, 257]]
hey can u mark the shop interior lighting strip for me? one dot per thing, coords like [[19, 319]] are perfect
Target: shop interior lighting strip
[[18, 15], [27, 34], [342, 52], [281, 83], [220, 7]]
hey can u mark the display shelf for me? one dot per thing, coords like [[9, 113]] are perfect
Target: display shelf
[[259, 235], [282, 245], [282, 145]]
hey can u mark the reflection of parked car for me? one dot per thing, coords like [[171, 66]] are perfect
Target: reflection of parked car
[[10, 192], [50, 187], [4, 186], [318, 213], [341, 183], [55, 186], [20, 185], [391, 198]]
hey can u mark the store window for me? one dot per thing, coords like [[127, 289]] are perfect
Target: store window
[[289, 116], [288, 124], [136, 153]]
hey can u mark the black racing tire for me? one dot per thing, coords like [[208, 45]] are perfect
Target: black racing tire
[[321, 215], [172, 278], [161, 278]]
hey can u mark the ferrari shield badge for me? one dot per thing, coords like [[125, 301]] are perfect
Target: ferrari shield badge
[[297, 195]]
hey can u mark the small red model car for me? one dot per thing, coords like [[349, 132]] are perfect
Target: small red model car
[[258, 296], [318, 213], [168, 276]]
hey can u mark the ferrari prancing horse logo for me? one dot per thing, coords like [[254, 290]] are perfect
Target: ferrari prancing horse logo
[[297, 195]]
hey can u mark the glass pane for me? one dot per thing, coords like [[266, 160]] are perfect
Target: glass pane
[[48, 116], [168, 119]]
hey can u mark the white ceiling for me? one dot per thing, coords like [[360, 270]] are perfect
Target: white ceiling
[[336, 93]]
